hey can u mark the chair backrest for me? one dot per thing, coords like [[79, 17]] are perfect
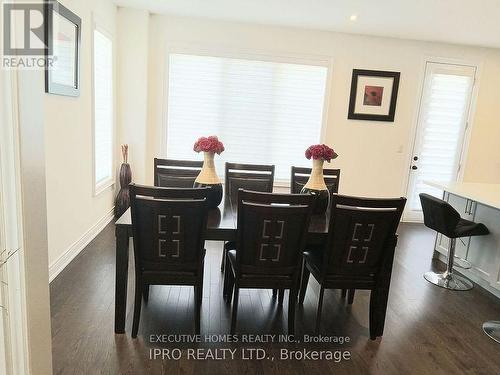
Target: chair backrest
[[439, 215], [361, 235], [168, 226], [176, 173], [253, 177], [300, 176], [272, 231]]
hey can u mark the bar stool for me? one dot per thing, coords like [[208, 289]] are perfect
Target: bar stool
[[443, 218]]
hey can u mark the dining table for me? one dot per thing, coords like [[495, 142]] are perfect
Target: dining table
[[221, 226]]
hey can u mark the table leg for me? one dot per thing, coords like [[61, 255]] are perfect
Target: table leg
[[122, 249]]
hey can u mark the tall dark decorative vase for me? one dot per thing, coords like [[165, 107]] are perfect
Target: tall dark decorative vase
[[122, 201], [316, 186], [208, 178]]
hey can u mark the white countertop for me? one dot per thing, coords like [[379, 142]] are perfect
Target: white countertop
[[488, 194]]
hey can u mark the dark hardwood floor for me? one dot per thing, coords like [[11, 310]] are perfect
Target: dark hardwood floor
[[428, 330]]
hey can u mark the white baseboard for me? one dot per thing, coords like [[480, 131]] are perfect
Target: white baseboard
[[59, 264]]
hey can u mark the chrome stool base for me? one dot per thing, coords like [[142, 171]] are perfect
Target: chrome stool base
[[492, 329], [448, 281]]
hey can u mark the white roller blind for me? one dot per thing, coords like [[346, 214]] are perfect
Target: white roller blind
[[264, 112], [103, 108]]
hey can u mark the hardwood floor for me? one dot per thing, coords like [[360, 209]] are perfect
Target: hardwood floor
[[428, 330]]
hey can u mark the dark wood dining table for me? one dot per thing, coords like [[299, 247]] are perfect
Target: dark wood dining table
[[221, 226]]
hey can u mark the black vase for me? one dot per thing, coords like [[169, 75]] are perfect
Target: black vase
[[208, 178], [316, 186], [321, 202], [214, 196], [122, 201]]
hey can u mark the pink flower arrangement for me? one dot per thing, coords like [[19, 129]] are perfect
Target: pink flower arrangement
[[209, 144], [320, 152]]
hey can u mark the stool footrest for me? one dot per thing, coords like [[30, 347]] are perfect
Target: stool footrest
[[492, 330], [448, 281], [467, 265]]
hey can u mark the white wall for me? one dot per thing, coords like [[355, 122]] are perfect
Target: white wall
[[374, 156], [73, 210], [133, 31]]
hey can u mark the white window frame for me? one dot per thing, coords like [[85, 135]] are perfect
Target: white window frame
[[101, 186], [259, 55]]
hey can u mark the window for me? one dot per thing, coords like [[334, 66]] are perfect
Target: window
[[264, 112], [103, 111]]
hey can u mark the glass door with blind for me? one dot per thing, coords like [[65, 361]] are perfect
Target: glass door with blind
[[442, 125]]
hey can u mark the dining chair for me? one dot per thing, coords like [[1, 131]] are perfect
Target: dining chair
[[271, 235], [358, 254], [300, 176], [168, 227], [176, 173], [255, 177]]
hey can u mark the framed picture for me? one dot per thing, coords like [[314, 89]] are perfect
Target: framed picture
[[373, 95], [63, 30]]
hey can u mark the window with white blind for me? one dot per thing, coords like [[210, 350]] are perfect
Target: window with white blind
[[443, 118], [264, 112], [103, 110]]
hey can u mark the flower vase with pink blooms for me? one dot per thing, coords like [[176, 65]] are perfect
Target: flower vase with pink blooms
[[316, 184], [208, 176]]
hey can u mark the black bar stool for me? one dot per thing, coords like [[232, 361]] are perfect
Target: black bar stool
[[443, 218]]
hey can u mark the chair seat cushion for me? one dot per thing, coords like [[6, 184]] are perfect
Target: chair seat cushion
[[466, 228], [314, 259], [232, 260]]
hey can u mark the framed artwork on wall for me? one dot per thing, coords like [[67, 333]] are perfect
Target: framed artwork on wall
[[63, 32], [373, 95]]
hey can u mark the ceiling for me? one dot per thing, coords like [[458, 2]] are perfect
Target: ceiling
[[473, 22]]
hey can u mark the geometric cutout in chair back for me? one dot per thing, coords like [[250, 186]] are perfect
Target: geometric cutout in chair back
[[169, 235], [271, 240], [361, 235]]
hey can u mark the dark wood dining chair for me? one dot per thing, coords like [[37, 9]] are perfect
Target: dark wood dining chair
[[300, 176], [176, 173], [271, 235], [358, 253], [168, 228], [254, 177]]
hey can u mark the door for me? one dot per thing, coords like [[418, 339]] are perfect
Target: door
[[441, 128]]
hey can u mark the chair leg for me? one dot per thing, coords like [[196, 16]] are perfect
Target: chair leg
[[225, 283], [235, 308], [292, 300], [320, 307], [350, 297], [146, 293], [343, 293], [281, 296], [303, 283], [137, 307], [223, 259], [198, 296], [228, 282], [378, 308]]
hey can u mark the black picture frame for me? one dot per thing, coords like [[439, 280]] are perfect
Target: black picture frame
[[52, 87], [389, 117]]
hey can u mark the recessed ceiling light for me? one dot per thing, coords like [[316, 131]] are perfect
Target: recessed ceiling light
[[353, 17]]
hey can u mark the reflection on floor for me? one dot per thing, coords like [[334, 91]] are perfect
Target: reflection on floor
[[428, 329]]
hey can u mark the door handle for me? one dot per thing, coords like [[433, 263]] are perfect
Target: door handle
[[414, 167]]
